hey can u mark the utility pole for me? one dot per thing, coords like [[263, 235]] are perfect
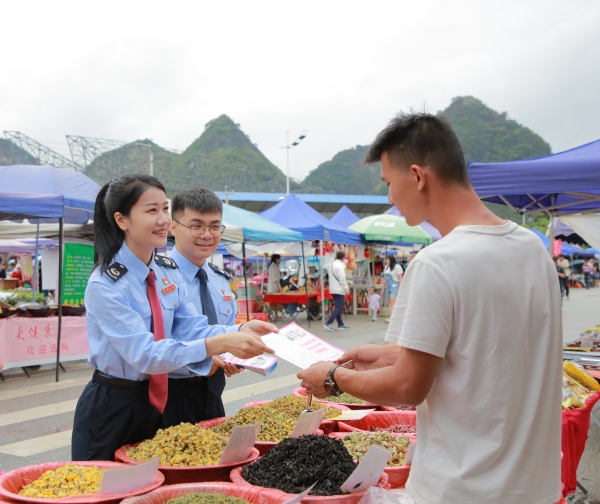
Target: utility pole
[[288, 146]]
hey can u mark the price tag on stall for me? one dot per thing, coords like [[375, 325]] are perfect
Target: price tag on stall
[[368, 471], [353, 414], [298, 498], [130, 478], [308, 422], [240, 443]]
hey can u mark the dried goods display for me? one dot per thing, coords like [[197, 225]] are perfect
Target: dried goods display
[[275, 425], [395, 429], [206, 498], [184, 445], [294, 405], [295, 464], [344, 397], [65, 481], [358, 444], [581, 376]]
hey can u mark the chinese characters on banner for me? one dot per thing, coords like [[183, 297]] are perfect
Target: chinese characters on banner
[[77, 268], [32, 341]]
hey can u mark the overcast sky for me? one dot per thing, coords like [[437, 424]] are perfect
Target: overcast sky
[[129, 70]]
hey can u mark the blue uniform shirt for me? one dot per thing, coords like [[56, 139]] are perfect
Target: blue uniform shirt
[[119, 320], [219, 289]]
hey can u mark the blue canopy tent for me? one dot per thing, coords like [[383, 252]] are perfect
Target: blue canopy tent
[[52, 193], [299, 216], [564, 183], [344, 217], [567, 250], [257, 228]]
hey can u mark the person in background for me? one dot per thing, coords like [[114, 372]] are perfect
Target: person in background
[[478, 348], [393, 276], [274, 275], [197, 225], [338, 287], [563, 262], [17, 274], [561, 276], [373, 303], [588, 271], [3, 269], [12, 264]]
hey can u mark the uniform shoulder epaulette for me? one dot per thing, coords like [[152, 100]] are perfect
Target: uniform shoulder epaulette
[[116, 271], [165, 261], [220, 271]]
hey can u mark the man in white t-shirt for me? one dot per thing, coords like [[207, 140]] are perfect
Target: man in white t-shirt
[[476, 347]]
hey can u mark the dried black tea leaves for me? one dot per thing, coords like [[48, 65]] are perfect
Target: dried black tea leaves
[[296, 463]]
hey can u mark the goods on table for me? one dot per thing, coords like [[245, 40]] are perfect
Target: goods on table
[[295, 464], [206, 498], [344, 397], [581, 376], [275, 426], [395, 429], [358, 444], [185, 445], [294, 405], [65, 481], [406, 408]]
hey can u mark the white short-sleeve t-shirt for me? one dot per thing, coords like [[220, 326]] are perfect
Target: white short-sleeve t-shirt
[[487, 300]]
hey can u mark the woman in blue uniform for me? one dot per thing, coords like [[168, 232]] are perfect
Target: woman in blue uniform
[[141, 324]]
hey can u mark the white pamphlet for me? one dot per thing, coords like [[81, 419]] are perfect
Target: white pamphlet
[[308, 422], [296, 345], [130, 478], [240, 443], [263, 364], [368, 471]]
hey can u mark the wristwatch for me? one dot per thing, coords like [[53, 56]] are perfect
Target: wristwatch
[[330, 384]]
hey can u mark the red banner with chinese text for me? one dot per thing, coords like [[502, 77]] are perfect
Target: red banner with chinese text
[[32, 341]]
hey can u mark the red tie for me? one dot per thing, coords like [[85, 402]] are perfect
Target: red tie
[[159, 383]]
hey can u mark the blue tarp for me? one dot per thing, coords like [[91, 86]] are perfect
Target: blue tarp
[[566, 249], [344, 217], [77, 191], [292, 212], [566, 182], [257, 228], [20, 205]]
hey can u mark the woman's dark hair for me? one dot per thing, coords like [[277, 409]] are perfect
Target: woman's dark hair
[[274, 257], [392, 261], [119, 195]]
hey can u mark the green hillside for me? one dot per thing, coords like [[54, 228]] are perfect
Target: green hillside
[[487, 136], [223, 157], [12, 154], [484, 134], [345, 174]]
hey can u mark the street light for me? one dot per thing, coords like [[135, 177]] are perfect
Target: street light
[[287, 147]]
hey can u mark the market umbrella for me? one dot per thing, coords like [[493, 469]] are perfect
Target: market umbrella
[[390, 228]]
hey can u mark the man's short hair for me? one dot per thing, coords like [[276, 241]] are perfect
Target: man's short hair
[[340, 255], [199, 199], [425, 140]]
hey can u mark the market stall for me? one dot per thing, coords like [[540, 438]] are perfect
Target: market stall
[[53, 194]]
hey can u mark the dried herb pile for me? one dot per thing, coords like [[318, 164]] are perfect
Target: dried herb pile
[[295, 464], [206, 498], [346, 398], [395, 429]]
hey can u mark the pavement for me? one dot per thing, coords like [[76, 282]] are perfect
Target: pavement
[[36, 414]]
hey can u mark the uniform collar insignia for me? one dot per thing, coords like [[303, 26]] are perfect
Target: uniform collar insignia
[[115, 271], [220, 271], [165, 261]]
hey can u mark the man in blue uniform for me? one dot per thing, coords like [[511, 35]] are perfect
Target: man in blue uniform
[[197, 226]]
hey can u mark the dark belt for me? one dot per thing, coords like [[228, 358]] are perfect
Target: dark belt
[[121, 382], [118, 382]]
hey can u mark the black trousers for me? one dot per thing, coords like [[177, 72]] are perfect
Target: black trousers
[[110, 416], [191, 401]]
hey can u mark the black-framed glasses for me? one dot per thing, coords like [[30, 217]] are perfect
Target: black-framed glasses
[[198, 231]]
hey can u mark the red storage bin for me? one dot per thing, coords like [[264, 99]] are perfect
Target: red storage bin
[[252, 305]]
